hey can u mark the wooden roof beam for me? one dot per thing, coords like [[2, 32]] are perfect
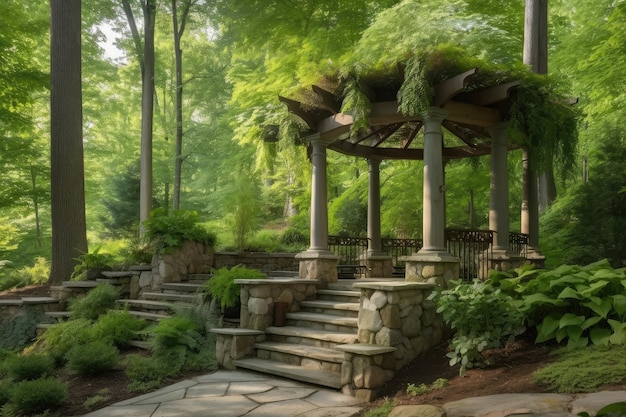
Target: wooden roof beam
[[488, 96], [471, 115], [295, 107], [446, 90], [328, 99]]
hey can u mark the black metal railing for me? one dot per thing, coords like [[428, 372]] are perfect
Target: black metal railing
[[398, 248], [470, 246], [347, 248], [518, 243]]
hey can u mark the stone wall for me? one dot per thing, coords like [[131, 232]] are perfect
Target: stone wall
[[191, 258], [262, 261]]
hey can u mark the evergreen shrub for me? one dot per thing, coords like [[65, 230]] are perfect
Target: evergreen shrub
[[168, 231], [146, 373], [59, 339], [98, 301], [29, 367], [29, 397], [92, 358], [117, 326]]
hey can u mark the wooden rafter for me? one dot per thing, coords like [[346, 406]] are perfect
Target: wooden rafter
[[412, 134], [328, 99], [446, 90], [489, 96]]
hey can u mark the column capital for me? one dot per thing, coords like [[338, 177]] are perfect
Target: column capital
[[498, 130], [317, 139], [435, 114]]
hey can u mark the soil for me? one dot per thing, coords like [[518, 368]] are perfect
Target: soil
[[511, 373]]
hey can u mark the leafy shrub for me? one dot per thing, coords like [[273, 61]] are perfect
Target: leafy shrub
[[146, 373], [98, 301], [38, 273], [31, 397], [93, 260], [117, 326], [222, 286], [580, 304], [481, 316], [29, 367], [611, 410], [59, 339], [169, 231], [293, 236], [584, 370], [92, 358], [6, 388]]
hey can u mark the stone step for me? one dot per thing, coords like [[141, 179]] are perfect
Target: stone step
[[149, 306], [283, 274], [173, 298], [310, 337], [197, 278], [41, 328], [339, 295], [338, 308], [180, 287], [154, 317], [141, 344], [342, 285], [319, 321], [308, 357], [327, 379], [58, 315]]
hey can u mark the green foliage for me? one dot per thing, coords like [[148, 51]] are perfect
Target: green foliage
[[293, 236], [243, 206], [481, 316], [382, 410], [577, 304], [146, 373], [11, 277], [38, 273], [6, 386], [59, 339], [91, 260], [102, 395], [222, 286], [415, 390], [92, 358], [584, 370], [611, 410], [29, 367], [97, 301], [21, 329], [117, 326], [169, 231], [36, 396]]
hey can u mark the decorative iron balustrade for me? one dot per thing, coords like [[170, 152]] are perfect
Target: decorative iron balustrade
[[347, 248], [518, 243], [470, 246], [398, 248]]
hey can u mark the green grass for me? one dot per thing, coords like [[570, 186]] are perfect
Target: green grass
[[584, 370]]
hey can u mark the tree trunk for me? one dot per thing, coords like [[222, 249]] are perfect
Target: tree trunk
[[147, 114], [33, 179], [178, 54], [69, 238]]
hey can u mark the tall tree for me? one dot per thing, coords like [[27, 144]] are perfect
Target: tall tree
[[69, 236]]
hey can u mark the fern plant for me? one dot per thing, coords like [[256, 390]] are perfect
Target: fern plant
[[222, 286], [168, 231]]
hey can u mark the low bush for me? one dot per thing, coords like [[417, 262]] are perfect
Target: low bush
[[117, 326], [222, 286], [481, 316], [6, 388], [29, 367], [92, 358], [576, 304], [145, 373], [89, 261], [98, 301], [59, 339], [29, 397], [166, 231]]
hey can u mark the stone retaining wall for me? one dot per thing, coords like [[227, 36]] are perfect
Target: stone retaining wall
[[191, 258], [262, 261]]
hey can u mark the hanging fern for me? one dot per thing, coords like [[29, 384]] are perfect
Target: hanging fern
[[355, 101], [416, 93]]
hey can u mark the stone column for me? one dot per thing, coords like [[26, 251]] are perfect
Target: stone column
[[499, 190], [318, 262], [433, 202], [378, 264], [433, 263], [530, 210]]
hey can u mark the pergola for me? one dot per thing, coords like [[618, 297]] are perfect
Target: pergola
[[476, 116]]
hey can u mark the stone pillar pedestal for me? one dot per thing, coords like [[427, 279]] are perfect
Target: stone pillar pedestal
[[536, 258], [318, 265], [377, 266], [500, 260], [435, 269]]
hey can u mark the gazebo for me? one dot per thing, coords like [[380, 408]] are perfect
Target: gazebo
[[475, 106]]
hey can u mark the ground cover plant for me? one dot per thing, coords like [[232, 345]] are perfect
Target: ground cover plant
[[579, 305]]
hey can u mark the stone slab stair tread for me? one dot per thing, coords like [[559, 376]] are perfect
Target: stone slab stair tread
[[148, 316], [345, 293], [325, 335], [58, 314], [147, 304], [323, 318], [141, 344], [327, 379], [311, 352], [159, 296], [181, 286], [336, 305]]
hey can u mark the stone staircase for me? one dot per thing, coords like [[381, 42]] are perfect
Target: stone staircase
[[304, 349]]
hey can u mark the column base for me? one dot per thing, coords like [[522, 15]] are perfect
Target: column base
[[377, 265], [435, 267], [500, 260], [318, 265], [534, 256]]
